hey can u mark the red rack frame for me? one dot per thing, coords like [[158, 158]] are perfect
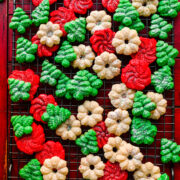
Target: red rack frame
[[5, 6]]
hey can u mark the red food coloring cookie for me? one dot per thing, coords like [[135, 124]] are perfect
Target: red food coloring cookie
[[136, 75], [101, 41], [27, 76], [39, 104], [114, 172], [61, 17], [110, 5], [33, 142], [37, 2], [43, 50], [78, 6], [50, 149], [102, 134], [147, 50]]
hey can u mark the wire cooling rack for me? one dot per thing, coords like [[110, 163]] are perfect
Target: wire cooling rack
[[17, 159]]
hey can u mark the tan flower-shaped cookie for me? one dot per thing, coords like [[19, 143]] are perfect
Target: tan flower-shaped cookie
[[121, 96], [85, 57], [118, 122], [129, 157], [147, 171], [145, 7], [107, 65], [54, 169], [111, 149], [98, 20], [161, 105], [91, 167], [49, 34], [70, 129], [126, 41], [90, 113]]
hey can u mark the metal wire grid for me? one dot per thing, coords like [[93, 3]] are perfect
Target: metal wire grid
[[17, 159]]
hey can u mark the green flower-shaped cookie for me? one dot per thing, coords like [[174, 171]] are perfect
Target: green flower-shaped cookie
[[170, 151], [162, 79], [20, 21], [25, 50], [65, 55], [76, 30], [55, 116], [163, 177], [142, 105], [88, 142], [159, 27], [142, 131], [22, 125], [166, 54], [31, 171]]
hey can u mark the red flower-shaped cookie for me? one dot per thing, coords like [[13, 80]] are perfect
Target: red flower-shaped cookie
[[147, 50], [43, 50], [78, 6], [39, 104], [101, 41], [50, 149], [102, 134], [37, 2], [27, 76], [61, 17], [33, 142], [112, 171], [136, 75], [110, 5]]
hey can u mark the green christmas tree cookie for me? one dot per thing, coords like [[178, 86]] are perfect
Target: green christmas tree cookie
[[50, 74], [65, 55], [55, 116], [169, 8], [31, 171], [128, 16], [25, 50], [83, 85], [162, 79], [20, 21], [159, 27], [142, 105], [76, 30], [88, 142], [19, 90], [61, 90], [41, 13], [166, 54], [163, 177], [22, 125], [142, 131], [170, 151]]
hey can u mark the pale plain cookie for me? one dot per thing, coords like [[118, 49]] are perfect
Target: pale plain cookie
[[91, 167], [54, 169], [121, 96], [107, 65], [98, 20], [129, 157], [111, 149], [145, 7], [70, 129], [90, 113], [161, 105], [147, 171], [118, 122], [126, 41], [85, 56], [49, 34]]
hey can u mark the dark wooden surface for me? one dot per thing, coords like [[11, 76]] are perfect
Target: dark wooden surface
[[3, 90]]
